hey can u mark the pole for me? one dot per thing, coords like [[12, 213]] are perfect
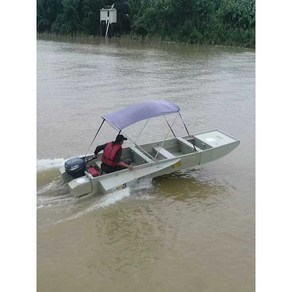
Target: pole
[[94, 137]]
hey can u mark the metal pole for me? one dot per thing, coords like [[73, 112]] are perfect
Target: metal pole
[[184, 124], [170, 129], [95, 137]]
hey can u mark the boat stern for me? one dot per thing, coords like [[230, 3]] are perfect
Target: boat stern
[[80, 186], [65, 176]]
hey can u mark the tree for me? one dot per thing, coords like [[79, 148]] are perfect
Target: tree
[[47, 12]]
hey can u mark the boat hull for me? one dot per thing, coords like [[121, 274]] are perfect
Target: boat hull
[[155, 159]]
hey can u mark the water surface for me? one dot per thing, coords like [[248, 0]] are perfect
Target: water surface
[[189, 231]]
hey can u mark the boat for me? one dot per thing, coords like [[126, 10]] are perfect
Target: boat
[[150, 160]]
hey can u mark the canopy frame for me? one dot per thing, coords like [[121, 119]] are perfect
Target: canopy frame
[[139, 112]]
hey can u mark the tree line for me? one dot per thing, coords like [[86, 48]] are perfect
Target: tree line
[[220, 22]]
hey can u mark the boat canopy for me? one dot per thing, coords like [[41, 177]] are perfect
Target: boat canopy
[[145, 110]]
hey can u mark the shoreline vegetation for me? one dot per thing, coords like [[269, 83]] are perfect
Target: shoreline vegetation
[[124, 39], [212, 22]]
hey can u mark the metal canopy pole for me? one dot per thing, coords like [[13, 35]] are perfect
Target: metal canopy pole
[[141, 132], [95, 136], [170, 129], [130, 139], [184, 124]]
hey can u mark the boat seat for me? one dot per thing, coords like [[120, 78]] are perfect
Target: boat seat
[[141, 154], [163, 152], [186, 143]]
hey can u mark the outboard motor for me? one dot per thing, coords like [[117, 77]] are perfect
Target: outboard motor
[[75, 167]]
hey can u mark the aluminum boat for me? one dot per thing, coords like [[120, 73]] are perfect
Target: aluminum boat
[[83, 174]]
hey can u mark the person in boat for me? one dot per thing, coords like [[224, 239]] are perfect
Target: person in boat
[[111, 157]]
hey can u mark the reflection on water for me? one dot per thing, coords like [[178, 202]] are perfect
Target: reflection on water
[[190, 185]]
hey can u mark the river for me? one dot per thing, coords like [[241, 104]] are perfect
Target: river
[[189, 231]]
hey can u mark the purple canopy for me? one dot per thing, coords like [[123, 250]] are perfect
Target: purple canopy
[[145, 110]]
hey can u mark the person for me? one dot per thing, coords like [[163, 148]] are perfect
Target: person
[[111, 157]]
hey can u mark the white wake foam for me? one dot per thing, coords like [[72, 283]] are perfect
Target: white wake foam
[[104, 202], [112, 198], [50, 187], [43, 164], [142, 184]]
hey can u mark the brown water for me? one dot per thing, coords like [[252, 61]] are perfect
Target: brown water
[[190, 231]]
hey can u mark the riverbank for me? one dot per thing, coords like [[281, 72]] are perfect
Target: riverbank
[[123, 39], [225, 23]]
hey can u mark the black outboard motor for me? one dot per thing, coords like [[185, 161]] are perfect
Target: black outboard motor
[[75, 167]]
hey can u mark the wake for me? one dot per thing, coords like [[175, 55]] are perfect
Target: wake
[[53, 193], [46, 164], [140, 190]]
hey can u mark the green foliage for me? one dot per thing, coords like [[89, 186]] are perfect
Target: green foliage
[[225, 22], [47, 11]]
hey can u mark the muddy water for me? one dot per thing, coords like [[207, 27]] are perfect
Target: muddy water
[[190, 231]]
